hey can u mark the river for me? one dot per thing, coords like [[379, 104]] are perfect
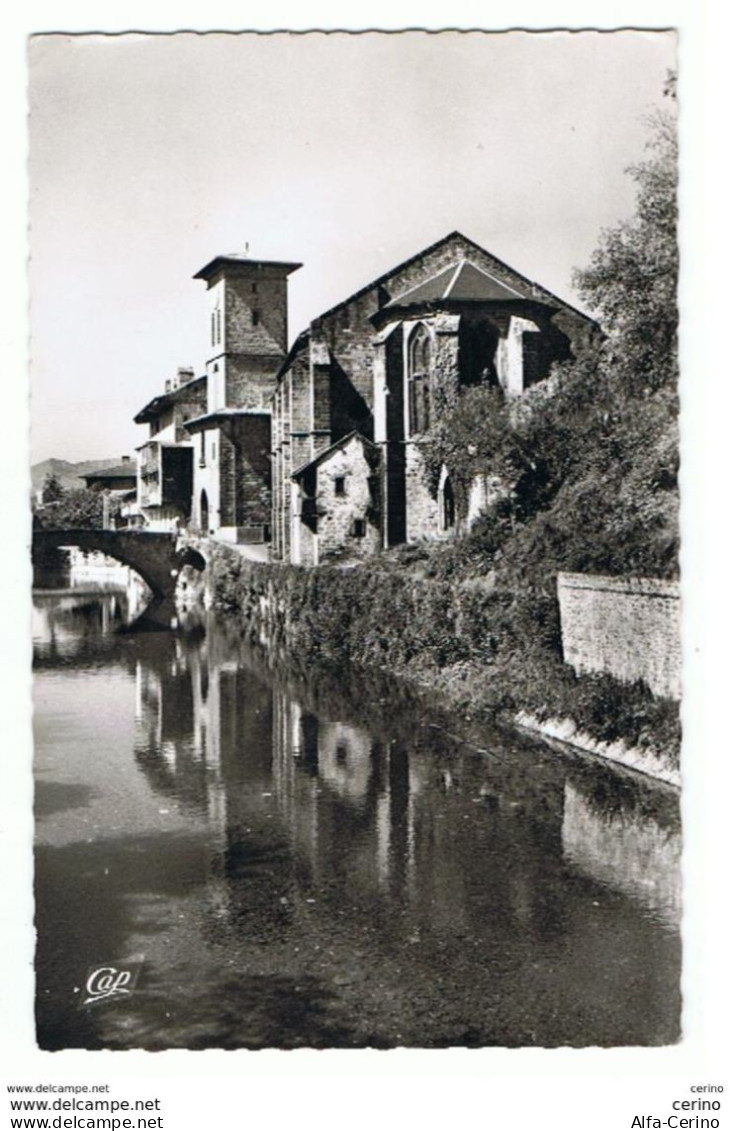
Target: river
[[293, 860]]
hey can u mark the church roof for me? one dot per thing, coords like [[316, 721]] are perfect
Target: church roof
[[470, 283], [461, 282], [531, 289]]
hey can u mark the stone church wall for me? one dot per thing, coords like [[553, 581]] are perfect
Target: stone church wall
[[421, 504]]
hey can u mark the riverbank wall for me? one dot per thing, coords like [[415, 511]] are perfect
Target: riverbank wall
[[628, 626], [487, 651]]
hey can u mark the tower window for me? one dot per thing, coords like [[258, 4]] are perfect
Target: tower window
[[255, 317], [254, 288], [212, 328], [358, 528], [218, 324], [340, 485]]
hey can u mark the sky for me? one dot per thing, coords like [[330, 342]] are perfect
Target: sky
[[150, 154]]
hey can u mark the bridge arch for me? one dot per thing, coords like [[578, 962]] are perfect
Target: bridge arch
[[154, 556]]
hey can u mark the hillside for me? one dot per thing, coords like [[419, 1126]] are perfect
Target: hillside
[[68, 474]]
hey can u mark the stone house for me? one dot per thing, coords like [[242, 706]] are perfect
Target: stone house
[[165, 460], [118, 486], [366, 380], [119, 479], [336, 500]]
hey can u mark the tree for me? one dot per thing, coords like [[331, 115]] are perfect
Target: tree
[[631, 281], [52, 489], [81, 508]]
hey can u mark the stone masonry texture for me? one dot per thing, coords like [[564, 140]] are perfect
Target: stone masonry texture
[[628, 627]]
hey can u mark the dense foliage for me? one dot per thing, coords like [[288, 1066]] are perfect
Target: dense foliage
[[76, 509], [489, 651]]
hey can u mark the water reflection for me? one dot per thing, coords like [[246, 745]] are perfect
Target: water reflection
[[611, 836], [310, 860], [69, 624]]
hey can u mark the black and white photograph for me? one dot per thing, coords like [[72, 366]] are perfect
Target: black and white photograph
[[355, 540]]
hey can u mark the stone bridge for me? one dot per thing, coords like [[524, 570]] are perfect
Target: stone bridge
[[155, 557]]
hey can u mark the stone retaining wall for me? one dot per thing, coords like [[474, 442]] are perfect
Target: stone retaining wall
[[628, 627]]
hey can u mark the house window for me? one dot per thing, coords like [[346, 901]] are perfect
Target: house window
[[358, 528], [339, 485], [419, 390]]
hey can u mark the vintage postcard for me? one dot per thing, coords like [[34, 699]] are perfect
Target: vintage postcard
[[354, 520]]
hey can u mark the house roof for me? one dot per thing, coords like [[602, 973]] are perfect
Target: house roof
[[117, 473], [312, 463], [157, 405], [242, 261], [222, 416], [461, 282]]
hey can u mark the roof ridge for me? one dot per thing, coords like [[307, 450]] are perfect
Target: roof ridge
[[330, 448], [494, 278], [540, 293], [417, 286], [455, 234], [457, 271]]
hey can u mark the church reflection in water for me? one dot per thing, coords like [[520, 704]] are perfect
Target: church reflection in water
[[319, 860], [376, 813]]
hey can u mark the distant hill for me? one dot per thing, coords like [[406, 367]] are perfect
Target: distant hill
[[68, 474]]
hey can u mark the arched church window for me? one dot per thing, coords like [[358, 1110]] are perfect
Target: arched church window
[[419, 382], [447, 505]]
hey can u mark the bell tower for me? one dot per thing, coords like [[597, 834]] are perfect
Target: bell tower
[[247, 329]]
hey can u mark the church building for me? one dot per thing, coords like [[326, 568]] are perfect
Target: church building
[[365, 381], [315, 449]]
